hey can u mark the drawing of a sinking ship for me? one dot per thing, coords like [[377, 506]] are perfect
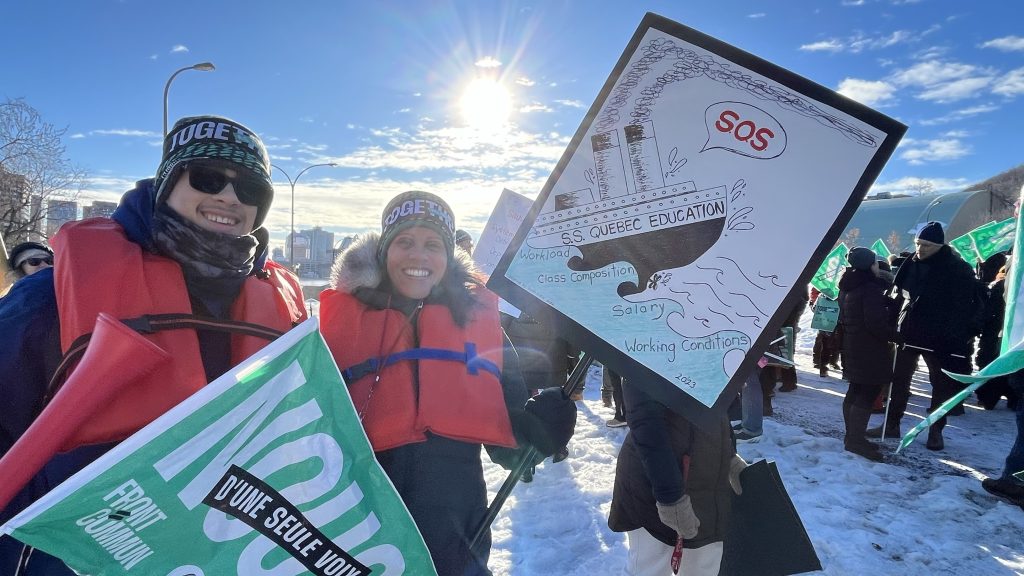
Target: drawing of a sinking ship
[[655, 227]]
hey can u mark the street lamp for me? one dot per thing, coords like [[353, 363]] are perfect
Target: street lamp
[[202, 67], [291, 240], [931, 205]]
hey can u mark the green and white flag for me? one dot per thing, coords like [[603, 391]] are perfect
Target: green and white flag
[[826, 279], [264, 471], [880, 249], [985, 240]]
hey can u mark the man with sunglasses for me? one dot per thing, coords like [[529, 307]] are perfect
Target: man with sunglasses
[[186, 245], [28, 258]]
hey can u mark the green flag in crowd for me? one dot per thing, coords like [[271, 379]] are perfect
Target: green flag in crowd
[[826, 279], [266, 470], [985, 240], [880, 249]]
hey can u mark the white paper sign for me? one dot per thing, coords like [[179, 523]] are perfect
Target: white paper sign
[[700, 191]]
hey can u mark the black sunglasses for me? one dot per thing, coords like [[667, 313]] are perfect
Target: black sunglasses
[[38, 261], [211, 179]]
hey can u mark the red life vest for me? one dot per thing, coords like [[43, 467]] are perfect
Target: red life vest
[[459, 399], [100, 270]]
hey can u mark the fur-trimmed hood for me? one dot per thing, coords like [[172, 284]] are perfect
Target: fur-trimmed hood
[[357, 269]]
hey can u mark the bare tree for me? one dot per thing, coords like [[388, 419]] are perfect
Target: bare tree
[[34, 171], [922, 187], [895, 242]]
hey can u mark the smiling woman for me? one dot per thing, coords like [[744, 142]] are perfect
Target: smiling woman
[[485, 104]]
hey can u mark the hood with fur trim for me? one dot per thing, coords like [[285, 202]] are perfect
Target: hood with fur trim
[[357, 269]]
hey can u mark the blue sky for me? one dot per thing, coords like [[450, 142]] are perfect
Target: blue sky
[[380, 87]]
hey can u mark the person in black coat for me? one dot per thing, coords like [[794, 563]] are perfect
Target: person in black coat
[[991, 338], [864, 314], [672, 480], [941, 313]]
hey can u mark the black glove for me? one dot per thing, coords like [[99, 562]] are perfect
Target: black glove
[[507, 458], [547, 422]]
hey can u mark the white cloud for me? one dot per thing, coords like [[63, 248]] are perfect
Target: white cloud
[[824, 46], [923, 151], [956, 134], [571, 103], [1011, 84], [757, 15], [449, 148], [860, 42], [945, 82], [931, 53], [524, 81], [126, 132], [1006, 43], [932, 72], [956, 90], [179, 48], [960, 114], [153, 56], [852, 3], [488, 62], [908, 183], [76, 136], [868, 92], [534, 107]]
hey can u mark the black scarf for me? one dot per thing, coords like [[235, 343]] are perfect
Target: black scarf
[[215, 265]]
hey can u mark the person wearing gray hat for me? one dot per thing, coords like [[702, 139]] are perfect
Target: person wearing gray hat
[[464, 240], [188, 245], [867, 353]]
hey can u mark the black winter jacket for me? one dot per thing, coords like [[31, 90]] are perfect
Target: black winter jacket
[[867, 333], [649, 470], [943, 310]]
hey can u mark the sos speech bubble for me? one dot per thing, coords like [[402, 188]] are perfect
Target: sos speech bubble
[[743, 129]]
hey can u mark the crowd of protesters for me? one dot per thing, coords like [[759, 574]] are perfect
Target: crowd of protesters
[[405, 301]]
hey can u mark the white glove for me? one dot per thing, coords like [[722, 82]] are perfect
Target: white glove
[[679, 516], [735, 467]]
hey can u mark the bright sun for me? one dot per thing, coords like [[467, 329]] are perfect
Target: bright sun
[[485, 104]]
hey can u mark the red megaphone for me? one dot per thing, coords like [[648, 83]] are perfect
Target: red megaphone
[[115, 358]]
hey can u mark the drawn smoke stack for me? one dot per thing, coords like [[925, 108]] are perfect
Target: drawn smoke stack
[[644, 158], [611, 173]]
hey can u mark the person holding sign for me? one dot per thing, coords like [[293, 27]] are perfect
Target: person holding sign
[[672, 488], [188, 245], [864, 313], [432, 375]]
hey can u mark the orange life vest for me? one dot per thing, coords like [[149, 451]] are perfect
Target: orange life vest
[[455, 391], [99, 270]]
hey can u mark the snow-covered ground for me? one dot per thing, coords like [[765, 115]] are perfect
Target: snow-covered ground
[[919, 512]]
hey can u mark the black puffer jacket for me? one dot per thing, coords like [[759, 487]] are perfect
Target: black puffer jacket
[[867, 333], [944, 309], [649, 470]]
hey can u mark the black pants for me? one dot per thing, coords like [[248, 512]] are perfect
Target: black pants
[[616, 383], [943, 387], [862, 395]]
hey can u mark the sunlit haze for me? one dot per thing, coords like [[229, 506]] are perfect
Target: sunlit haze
[[465, 98]]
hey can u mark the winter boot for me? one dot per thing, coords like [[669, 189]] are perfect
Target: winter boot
[[856, 425], [823, 371], [891, 428], [864, 449]]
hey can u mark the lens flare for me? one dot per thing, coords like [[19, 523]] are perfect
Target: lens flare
[[485, 104]]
